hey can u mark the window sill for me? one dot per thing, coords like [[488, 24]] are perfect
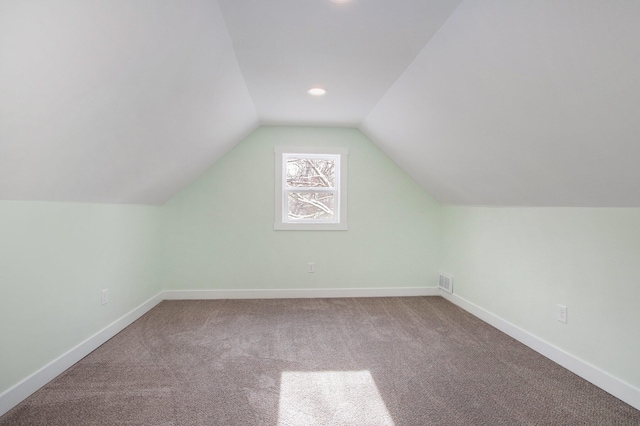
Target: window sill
[[278, 226]]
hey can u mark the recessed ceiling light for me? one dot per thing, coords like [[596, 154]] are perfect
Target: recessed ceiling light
[[316, 91], [340, 1]]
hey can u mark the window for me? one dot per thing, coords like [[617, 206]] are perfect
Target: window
[[311, 188]]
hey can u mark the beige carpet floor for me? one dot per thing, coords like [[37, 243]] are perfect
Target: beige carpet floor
[[374, 361]]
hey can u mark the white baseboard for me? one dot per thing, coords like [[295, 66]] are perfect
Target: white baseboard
[[618, 388], [20, 391], [299, 293], [605, 381]]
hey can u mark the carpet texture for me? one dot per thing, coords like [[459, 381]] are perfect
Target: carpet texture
[[367, 361]]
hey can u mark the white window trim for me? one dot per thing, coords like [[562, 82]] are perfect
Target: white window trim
[[340, 223]]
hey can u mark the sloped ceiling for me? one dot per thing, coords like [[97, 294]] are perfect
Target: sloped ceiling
[[483, 102], [533, 103], [115, 100]]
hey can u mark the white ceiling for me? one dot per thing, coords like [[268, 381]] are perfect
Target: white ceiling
[[115, 100], [354, 50], [533, 103], [483, 102]]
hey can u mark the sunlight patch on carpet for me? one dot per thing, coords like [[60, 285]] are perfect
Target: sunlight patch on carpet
[[331, 398]]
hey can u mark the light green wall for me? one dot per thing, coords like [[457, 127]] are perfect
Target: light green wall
[[519, 263], [218, 232], [55, 258]]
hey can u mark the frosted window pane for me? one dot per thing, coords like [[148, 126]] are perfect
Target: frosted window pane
[[310, 205], [311, 173]]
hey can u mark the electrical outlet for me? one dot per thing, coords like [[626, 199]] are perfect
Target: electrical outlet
[[312, 268], [562, 313], [104, 296]]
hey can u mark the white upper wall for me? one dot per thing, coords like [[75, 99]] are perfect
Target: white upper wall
[[115, 101], [522, 103]]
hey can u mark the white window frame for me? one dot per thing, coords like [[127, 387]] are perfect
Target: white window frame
[[339, 221]]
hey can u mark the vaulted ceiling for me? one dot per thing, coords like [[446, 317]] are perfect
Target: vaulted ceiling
[[485, 102]]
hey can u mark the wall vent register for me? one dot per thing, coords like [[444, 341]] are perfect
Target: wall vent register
[[445, 282]]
